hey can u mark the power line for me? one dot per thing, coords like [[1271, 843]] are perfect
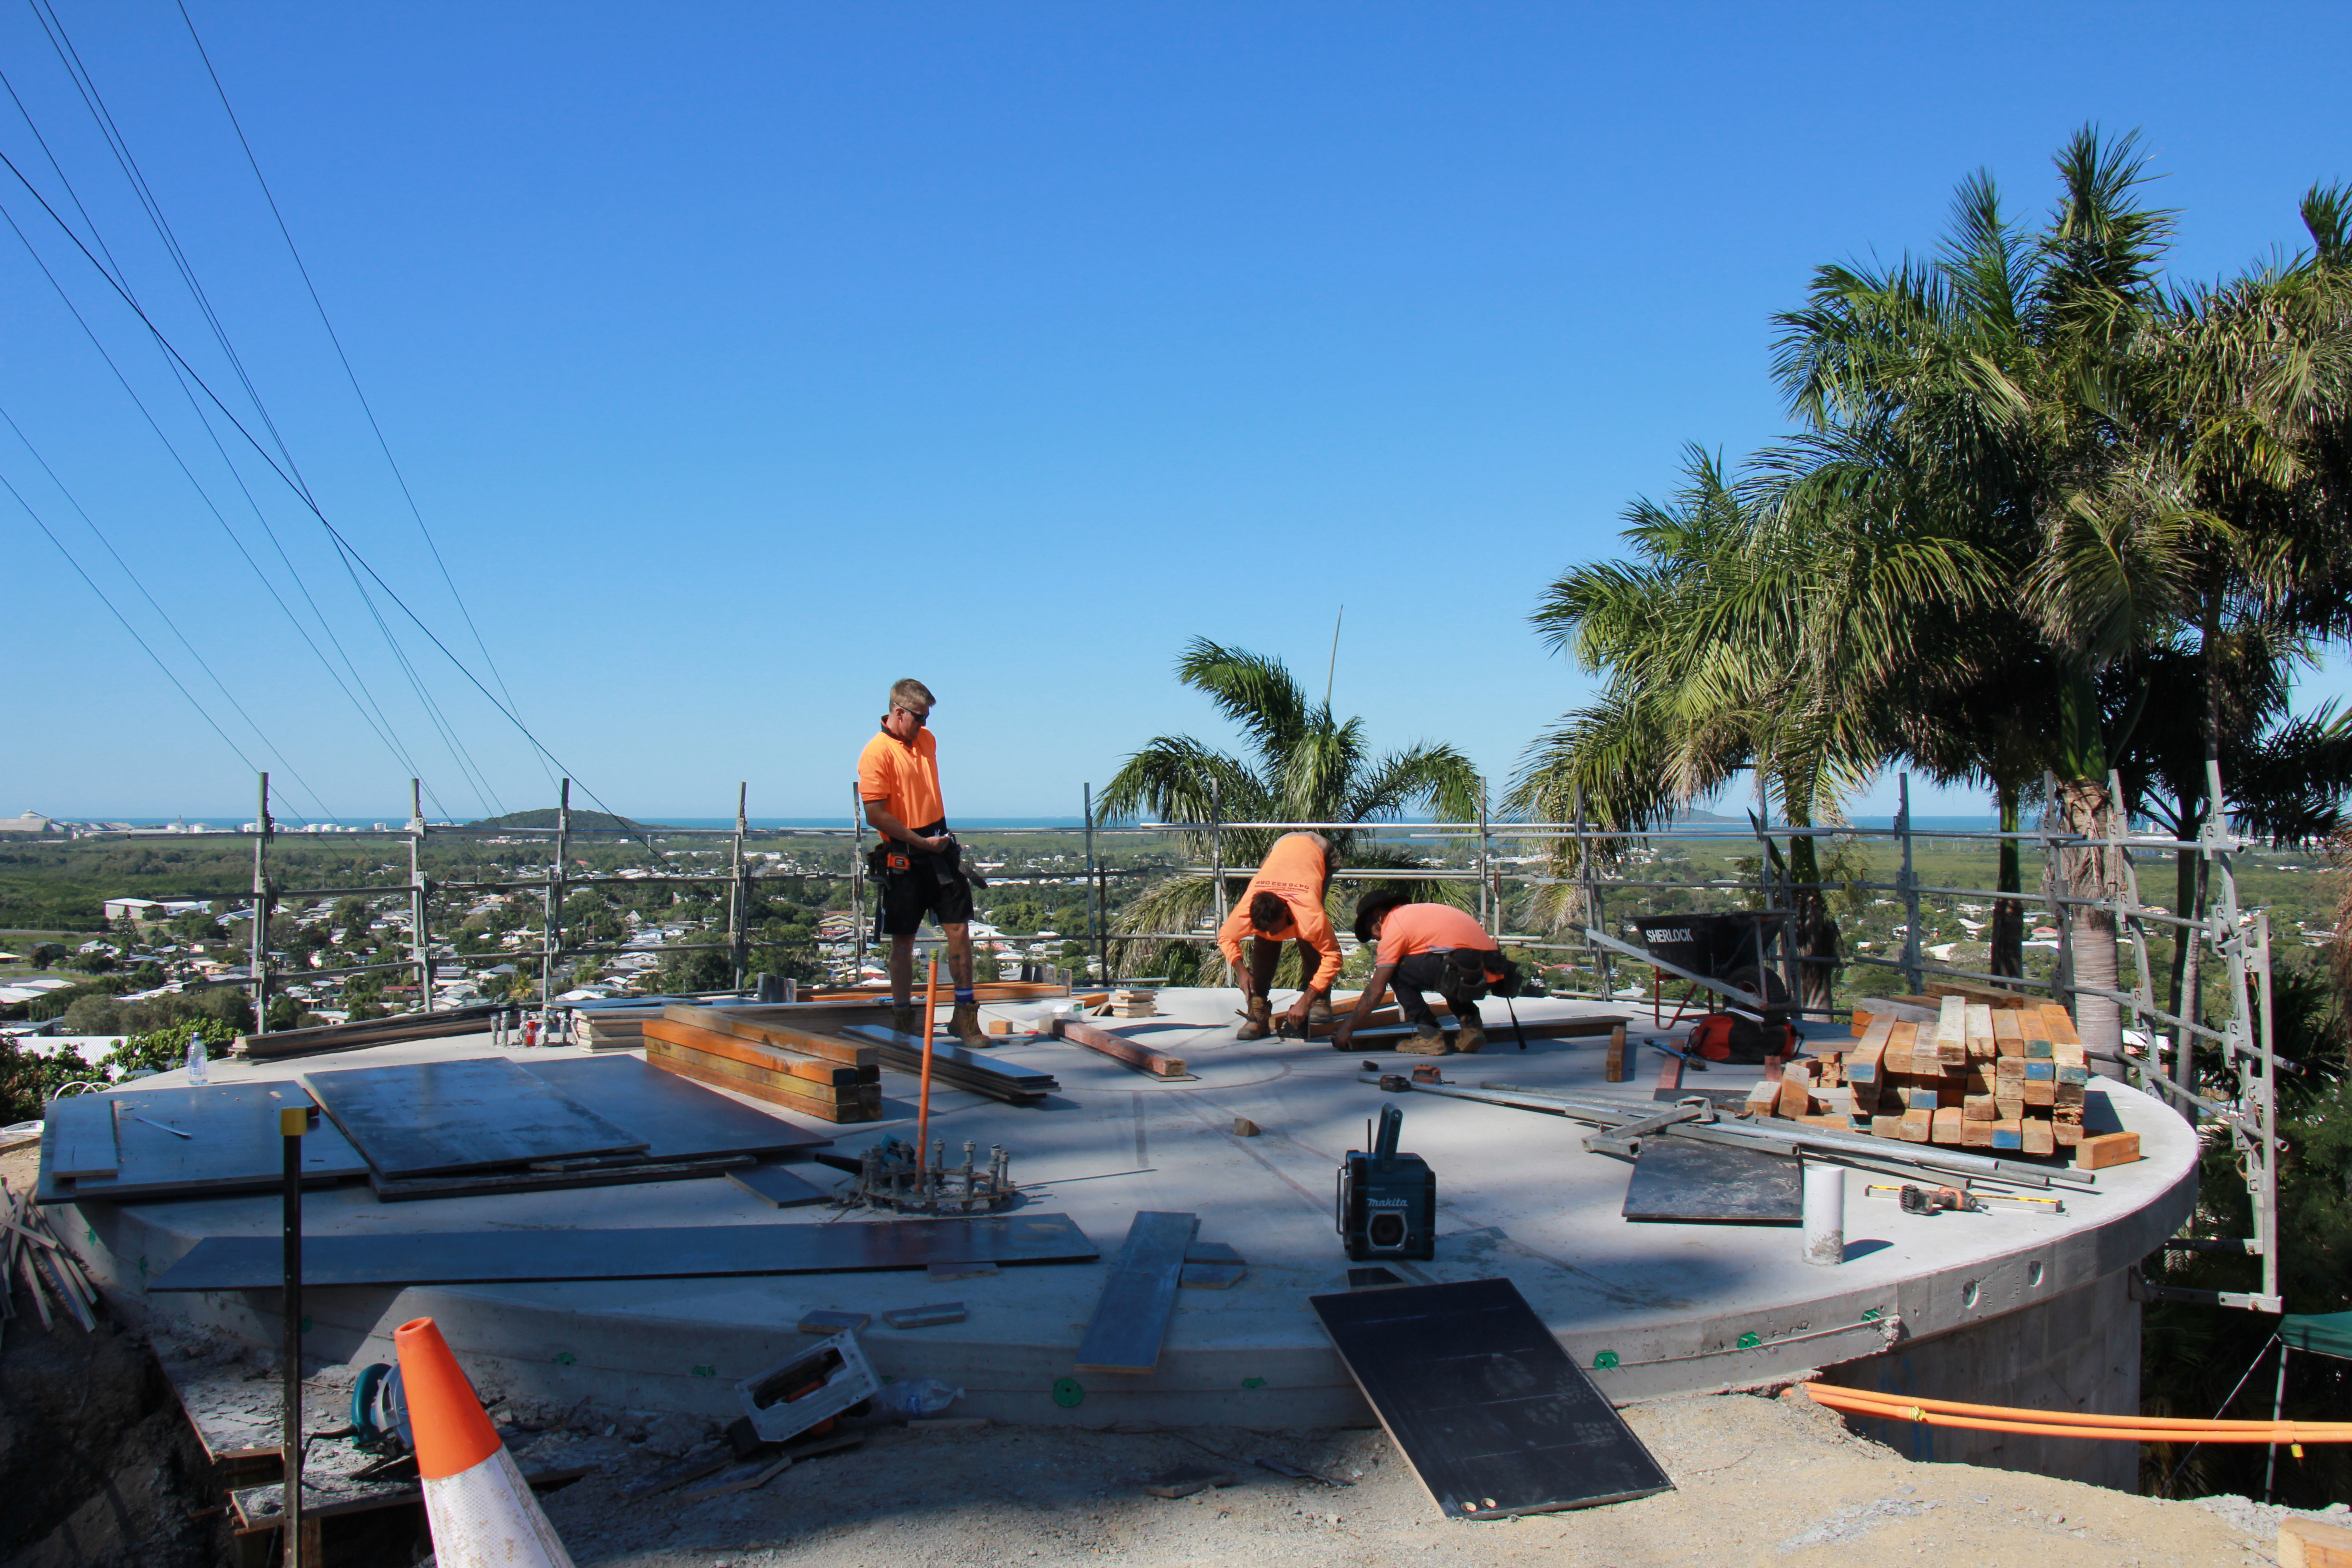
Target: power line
[[325, 812], [352, 375], [361, 561], [127, 627], [93, 100], [384, 730]]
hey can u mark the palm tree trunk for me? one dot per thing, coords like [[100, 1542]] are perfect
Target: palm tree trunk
[[2007, 914], [1816, 932], [2087, 808]]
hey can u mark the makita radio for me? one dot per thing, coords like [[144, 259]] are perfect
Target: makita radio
[[1388, 1200]]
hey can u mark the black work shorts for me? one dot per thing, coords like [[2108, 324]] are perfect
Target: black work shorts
[[925, 887]]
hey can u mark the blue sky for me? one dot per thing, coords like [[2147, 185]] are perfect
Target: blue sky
[[742, 359]]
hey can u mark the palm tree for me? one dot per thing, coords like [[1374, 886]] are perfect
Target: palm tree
[[1702, 639], [1305, 766]]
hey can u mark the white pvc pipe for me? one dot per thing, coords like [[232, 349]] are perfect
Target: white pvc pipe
[[1824, 1212]]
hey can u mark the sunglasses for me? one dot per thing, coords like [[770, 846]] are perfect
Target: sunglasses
[[921, 718]]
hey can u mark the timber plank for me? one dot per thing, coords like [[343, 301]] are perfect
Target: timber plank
[[1951, 1033], [861, 1104], [756, 1053], [1120, 1048], [762, 1026]]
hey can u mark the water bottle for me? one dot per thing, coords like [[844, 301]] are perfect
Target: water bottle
[[197, 1057], [914, 1401]]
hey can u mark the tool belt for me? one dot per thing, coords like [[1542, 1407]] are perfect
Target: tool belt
[[1479, 971], [892, 859]]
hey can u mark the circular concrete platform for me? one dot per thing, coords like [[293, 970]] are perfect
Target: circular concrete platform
[[1653, 1309]]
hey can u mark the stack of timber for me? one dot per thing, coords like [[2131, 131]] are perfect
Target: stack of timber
[[2008, 1080], [1928, 1007], [955, 1066], [1134, 1001], [374, 1032], [795, 1066], [613, 1028]]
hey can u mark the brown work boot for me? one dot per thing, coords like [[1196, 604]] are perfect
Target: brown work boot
[[1260, 1022], [1319, 1013], [1470, 1036], [906, 1020], [1428, 1040], [965, 1026]]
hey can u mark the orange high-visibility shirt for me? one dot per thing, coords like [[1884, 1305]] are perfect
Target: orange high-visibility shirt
[[905, 779], [1409, 929], [1292, 871]]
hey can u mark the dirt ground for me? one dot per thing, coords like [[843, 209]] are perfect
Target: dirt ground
[[1758, 1479], [98, 1470]]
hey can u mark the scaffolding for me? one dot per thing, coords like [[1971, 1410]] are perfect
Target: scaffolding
[[1585, 858]]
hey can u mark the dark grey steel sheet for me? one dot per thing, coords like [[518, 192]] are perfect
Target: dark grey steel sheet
[[1683, 1181], [1483, 1403], [776, 1185], [433, 1119], [515, 1257], [678, 1118], [81, 1136], [1132, 1316], [235, 1146]]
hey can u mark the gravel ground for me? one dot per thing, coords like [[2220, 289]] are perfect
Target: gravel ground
[[1758, 1479]]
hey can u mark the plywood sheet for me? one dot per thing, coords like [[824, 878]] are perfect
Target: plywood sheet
[[678, 1118], [1132, 1316], [1482, 1401], [1682, 1181], [508, 1257], [435, 1118], [233, 1145]]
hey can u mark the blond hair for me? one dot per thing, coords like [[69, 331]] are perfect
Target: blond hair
[[910, 693]]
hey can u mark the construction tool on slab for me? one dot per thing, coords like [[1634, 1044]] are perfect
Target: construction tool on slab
[[895, 1177], [1386, 1201], [1863, 1153], [1483, 1403], [803, 1390]]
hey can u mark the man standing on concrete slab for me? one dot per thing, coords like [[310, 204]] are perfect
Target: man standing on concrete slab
[[918, 870], [1284, 902], [1425, 947]]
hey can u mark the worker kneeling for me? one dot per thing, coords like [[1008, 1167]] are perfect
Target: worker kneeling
[[1284, 902], [1425, 947]]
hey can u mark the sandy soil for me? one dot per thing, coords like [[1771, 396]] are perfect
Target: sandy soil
[[1759, 1480]]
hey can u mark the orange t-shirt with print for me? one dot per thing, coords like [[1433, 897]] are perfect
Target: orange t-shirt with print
[[1292, 871]]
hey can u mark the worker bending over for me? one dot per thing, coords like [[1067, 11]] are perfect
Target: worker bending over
[[918, 869], [1425, 947], [1285, 903]]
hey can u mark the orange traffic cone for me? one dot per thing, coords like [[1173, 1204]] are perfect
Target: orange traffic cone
[[479, 1507]]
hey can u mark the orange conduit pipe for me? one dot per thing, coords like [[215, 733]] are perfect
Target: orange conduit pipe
[[2064, 1424]]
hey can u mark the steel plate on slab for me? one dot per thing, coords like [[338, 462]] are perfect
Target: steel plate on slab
[[433, 1119], [677, 1118], [232, 1144], [1483, 1403], [513, 1257], [1683, 1181]]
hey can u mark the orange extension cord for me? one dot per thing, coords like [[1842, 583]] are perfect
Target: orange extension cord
[[2061, 1424]]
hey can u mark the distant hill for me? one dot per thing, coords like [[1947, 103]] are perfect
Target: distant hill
[[548, 816]]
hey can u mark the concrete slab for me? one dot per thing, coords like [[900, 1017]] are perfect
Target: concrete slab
[[1650, 1309]]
